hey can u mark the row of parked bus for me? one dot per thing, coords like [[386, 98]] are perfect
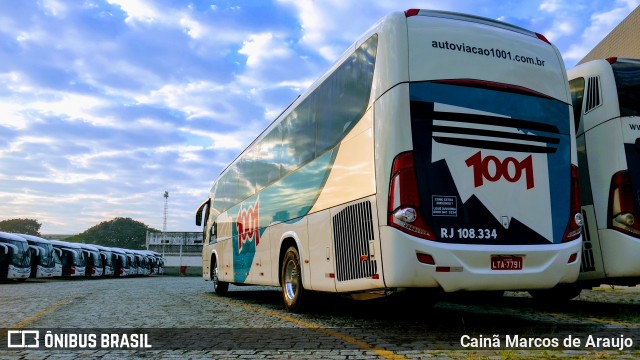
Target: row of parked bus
[[23, 256]]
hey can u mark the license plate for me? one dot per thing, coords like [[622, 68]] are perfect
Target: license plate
[[506, 262]]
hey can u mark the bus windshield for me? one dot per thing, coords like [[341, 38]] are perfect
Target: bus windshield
[[22, 257], [108, 259], [78, 257], [46, 256], [627, 77]]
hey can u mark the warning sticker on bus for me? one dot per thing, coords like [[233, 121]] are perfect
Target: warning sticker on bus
[[444, 205]]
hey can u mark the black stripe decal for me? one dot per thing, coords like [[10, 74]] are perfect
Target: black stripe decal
[[491, 133], [494, 145], [422, 109]]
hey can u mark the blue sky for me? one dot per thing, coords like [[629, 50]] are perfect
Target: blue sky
[[106, 104]]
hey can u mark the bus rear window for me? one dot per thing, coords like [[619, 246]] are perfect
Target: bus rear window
[[627, 77]]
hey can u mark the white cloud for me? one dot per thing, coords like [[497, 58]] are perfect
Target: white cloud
[[599, 26], [54, 8], [260, 47], [138, 10]]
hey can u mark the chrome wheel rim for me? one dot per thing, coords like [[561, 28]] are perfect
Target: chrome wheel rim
[[291, 280], [214, 276]]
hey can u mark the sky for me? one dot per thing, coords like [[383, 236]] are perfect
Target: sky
[[105, 105]]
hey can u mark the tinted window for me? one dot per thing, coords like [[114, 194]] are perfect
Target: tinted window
[[343, 97], [627, 77], [577, 95], [268, 158], [298, 134]]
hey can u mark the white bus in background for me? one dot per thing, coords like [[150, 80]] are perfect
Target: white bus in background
[[44, 260], [134, 268], [15, 257], [437, 153], [121, 263], [107, 260], [606, 105], [94, 267], [72, 257]]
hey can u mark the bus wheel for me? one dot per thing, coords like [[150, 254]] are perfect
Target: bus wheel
[[293, 292], [219, 287]]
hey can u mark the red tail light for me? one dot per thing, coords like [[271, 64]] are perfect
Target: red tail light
[[612, 60], [622, 212], [543, 38], [404, 210], [411, 12], [73, 270], [574, 228], [93, 270]]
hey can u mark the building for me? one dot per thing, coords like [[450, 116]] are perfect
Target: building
[[178, 248], [622, 41]]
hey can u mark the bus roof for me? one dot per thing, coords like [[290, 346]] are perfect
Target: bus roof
[[10, 236], [471, 18], [66, 244], [35, 239]]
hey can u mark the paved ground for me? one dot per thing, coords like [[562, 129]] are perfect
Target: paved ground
[[181, 318]]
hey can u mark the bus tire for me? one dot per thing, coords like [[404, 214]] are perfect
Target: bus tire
[[219, 287], [293, 293]]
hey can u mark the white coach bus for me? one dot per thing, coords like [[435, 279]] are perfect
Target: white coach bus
[[437, 153], [606, 100]]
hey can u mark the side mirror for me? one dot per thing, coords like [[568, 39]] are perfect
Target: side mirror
[[200, 210]]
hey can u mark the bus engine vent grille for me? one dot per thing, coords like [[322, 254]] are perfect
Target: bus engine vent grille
[[588, 262], [593, 94], [352, 232]]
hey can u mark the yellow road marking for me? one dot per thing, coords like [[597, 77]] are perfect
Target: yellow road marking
[[39, 314], [351, 340]]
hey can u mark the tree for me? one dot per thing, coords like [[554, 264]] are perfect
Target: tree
[[119, 232], [21, 226]]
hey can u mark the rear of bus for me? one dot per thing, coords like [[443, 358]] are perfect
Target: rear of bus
[[477, 157], [607, 99]]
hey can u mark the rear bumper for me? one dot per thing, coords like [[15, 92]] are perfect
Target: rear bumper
[[544, 266]]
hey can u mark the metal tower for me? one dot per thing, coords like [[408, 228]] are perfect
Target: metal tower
[[164, 221]]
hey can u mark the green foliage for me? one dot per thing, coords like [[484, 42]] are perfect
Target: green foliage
[[119, 232], [21, 226]]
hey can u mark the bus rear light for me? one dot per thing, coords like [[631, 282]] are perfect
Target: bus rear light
[[404, 200], [425, 259], [73, 270], [411, 12], [622, 211], [612, 60], [572, 258], [574, 227], [543, 38]]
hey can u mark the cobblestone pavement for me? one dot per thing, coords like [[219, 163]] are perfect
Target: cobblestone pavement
[[183, 319]]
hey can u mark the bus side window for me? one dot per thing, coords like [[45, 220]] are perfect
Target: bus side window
[[576, 86]]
